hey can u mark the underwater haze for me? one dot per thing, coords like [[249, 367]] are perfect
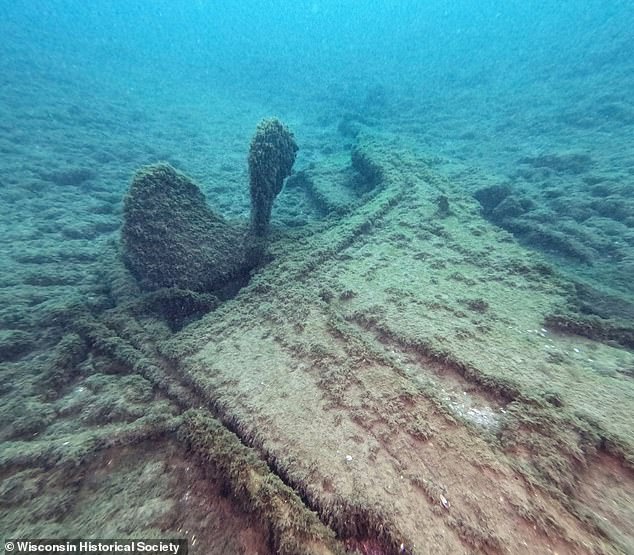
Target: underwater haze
[[465, 173], [502, 86]]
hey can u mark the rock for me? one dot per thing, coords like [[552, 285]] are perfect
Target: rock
[[574, 163], [489, 197]]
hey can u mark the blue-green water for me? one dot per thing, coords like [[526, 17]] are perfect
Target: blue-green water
[[508, 88]]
